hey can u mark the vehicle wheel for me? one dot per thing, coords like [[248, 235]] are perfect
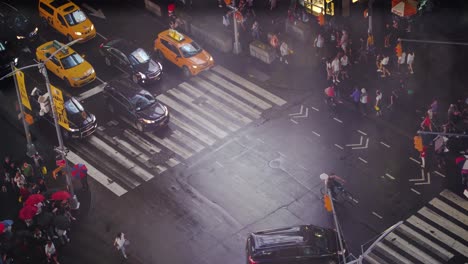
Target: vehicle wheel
[[135, 78], [160, 55], [67, 82], [107, 61], [110, 107], [139, 127], [70, 39], [186, 71]]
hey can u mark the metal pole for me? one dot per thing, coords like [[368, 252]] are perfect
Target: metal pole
[[30, 148], [370, 13], [441, 134], [237, 47], [337, 225]]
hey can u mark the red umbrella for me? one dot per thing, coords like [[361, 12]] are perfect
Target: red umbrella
[[79, 171], [404, 8], [2, 228], [27, 212], [60, 196], [34, 199]]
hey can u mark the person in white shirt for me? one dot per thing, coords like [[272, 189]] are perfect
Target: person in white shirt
[[384, 66], [120, 242], [329, 69], [284, 51], [410, 61], [344, 61], [344, 40], [401, 61], [51, 252], [378, 102], [319, 44], [336, 65]]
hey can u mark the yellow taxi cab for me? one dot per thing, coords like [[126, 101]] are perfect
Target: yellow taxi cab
[[67, 18], [66, 64], [183, 52]]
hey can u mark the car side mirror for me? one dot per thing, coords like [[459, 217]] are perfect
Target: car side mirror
[[83, 55]]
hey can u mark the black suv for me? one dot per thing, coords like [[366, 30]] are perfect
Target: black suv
[[131, 59], [15, 26], [6, 57], [128, 99], [306, 244]]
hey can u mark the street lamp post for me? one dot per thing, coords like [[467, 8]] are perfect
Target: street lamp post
[[237, 46], [61, 150], [30, 148]]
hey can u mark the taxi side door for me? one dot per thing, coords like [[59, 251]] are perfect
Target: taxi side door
[[119, 60], [54, 65], [61, 25], [170, 52]]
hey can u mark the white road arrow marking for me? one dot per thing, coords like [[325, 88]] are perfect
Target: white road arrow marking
[[300, 112], [303, 116], [422, 177], [294, 121], [364, 147], [94, 12], [425, 183], [360, 143]]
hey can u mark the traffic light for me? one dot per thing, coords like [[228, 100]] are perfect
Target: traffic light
[[327, 202], [418, 144], [321, 19]]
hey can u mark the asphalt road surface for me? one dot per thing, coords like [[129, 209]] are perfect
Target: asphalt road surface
[[241, 156]]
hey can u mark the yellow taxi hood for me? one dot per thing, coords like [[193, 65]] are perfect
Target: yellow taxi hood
[[201, 58], [82, 27], [79, 70]]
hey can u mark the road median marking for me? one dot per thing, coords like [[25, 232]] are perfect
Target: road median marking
[[360, 132], [440, 174], [377, 215], [316, 109], [338, 146], [413, 190], [389, 176], [315, 133], [337, 120], [363, 160], [417, 161], [384, 144]]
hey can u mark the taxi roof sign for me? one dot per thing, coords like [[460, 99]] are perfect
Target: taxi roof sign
[[174, 34], [57, 45]]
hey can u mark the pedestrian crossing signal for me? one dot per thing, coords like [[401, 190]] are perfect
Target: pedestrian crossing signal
[[418, 144], [327, 202]]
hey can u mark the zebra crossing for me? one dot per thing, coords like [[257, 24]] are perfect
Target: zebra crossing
[[437, 233], [204, 110]]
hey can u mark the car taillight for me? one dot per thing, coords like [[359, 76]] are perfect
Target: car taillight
[[251, 261]]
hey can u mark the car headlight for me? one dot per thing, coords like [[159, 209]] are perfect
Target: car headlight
[[92, 26], [194, 66], [90, 71], [76, 79], [166, 111], [74, 130], [146, 121], [19, 37], [211, 58], [160, 65], [15, 60], [78, 33]]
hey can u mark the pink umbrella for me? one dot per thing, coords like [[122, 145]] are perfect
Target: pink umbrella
[[79, 171], [27, 212], [34, 199], [60, 196], [2, 228]]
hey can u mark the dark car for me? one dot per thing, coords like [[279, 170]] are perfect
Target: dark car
[[81, 122], [6, 57], [131, 59], [128, 99], [15, 26], [306, 244]]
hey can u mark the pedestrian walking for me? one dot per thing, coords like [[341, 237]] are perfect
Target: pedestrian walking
[[28, 171], [256, 30], [356, 95], [319, 44], [344, 40], [378, 103], [336, 65], [51, 252], [284, 52], [401, 62], [426, 124], [344, 61], [393, 100], [329, 69], [120, 243], [384, 66], [363, 101], [410, 61], [84, 181], [19, 179]]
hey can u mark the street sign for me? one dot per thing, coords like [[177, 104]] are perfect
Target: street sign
[[60, 107], [60, 163], [22, 89]]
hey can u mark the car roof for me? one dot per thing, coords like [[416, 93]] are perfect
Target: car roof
[[53, 45], [166, 35], [126, 87], [8, 8], [123, 45]]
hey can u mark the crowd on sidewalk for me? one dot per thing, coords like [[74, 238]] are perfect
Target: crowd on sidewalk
[[41, 218]]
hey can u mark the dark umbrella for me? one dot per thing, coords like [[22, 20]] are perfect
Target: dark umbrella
[[61, 222], [34, 199], [27, 212], [44, 219], [60, 196], [79, 171]]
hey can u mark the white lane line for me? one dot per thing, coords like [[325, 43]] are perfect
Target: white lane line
[[102, 36], [97, 175], [220, 133], [124, 161], [362, 133], [91, 92], [315, 133], [203, 109], [417, 161], [413, 190], [384, 144], [237, 90], [249, 85], [338, 146], [337, 120], [172, 162], [294, 121], [316, 109], [193, 131], [410, 249], [99, 79], [219, 164], [391, 254], [463, 203], [376, 214], [390, 176], [215, 103], [281, 154], [210, 88], [363, 160], [440, 174]]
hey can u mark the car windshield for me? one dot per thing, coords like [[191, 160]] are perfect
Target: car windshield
[[74, 18], [72, 61], [190, 49], [139, 56], [318, 238], [142, 100], [73, 106]]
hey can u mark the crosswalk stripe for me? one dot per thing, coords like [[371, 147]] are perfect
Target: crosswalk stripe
[[392, 254], [141, 142], [410, 249], [187, 141], [439, 235], [455, 199], [192, 115], [449, 210], [128, 164], [426, 243], [193, 131], [91, 92], [436, 218], [97, 175], [237, 90], [161, 169], [169, 144], [203, 110], [172, 162], [373, 259], [140, 156], [227, 97], [213, 102], [249, 85]]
